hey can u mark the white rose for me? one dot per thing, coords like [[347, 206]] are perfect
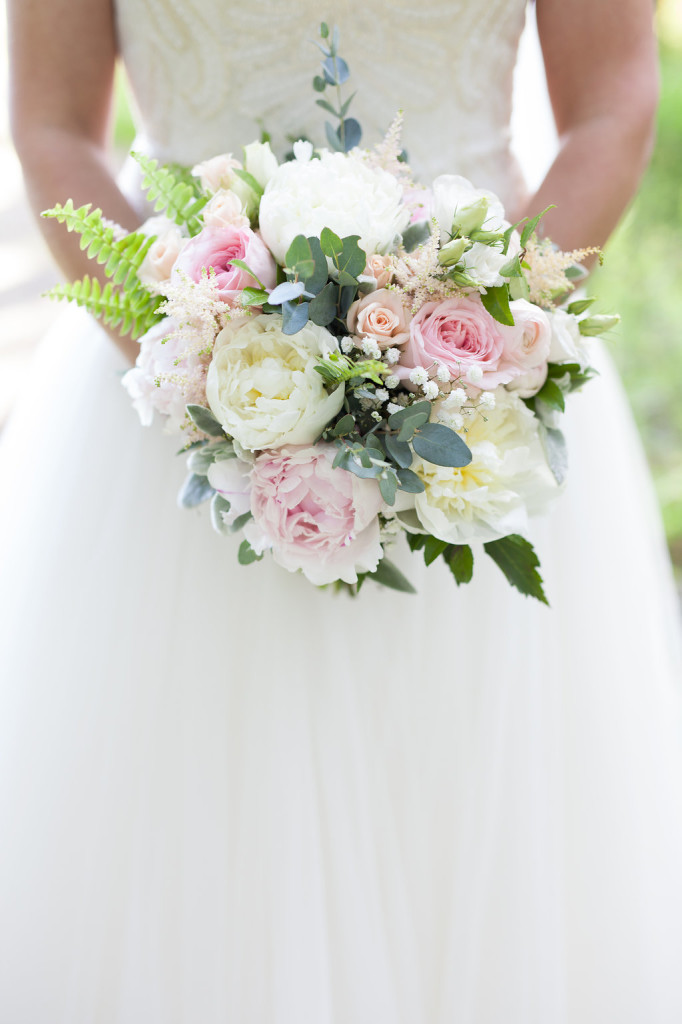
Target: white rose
[[263, 387], [529, 383], [507, 479], [455, 197], [219, 173], [483, 263], [337, 191], [568, 344], [163, 252], [260, 161]]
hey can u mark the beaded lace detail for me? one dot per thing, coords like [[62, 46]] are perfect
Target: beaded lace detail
[[205, 74]]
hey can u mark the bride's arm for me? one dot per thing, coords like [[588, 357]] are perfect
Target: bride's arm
[[62, 59], [602, 73]]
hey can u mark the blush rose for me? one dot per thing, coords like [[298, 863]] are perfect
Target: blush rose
[[382, 316], [215, 247]]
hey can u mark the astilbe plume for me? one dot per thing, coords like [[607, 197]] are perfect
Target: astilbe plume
[[545, 270], [419, 275]]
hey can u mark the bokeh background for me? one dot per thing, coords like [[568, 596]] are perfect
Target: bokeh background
[[641, 277]]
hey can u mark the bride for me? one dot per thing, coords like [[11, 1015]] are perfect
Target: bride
[[225, 796]]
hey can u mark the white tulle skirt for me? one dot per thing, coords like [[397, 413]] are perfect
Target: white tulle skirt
[[228, 797]]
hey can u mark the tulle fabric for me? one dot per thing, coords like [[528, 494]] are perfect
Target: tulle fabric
[[226, 796]]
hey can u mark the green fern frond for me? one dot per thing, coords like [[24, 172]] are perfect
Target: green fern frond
[[132, 311], [121, 258], [171, 193]]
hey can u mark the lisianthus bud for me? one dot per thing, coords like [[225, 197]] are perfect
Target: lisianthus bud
[[593, 325], [470, 218], [452, 252]]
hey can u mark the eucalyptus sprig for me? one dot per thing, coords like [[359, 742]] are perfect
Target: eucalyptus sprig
[[347, 133]]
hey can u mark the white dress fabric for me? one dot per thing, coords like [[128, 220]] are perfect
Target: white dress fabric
[[228, 797]]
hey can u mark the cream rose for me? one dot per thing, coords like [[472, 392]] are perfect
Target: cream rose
[[263, 387], [224, 210], [382, 316], [337, 191], [158, 263]]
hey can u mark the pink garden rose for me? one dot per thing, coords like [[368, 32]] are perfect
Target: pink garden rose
[[215, 247], [318, 519], [458, 334], [382, 316]]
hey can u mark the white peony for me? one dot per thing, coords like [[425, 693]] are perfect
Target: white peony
[[337, 191], [263, 387], [568, 344], [456, 200], [507, 480]]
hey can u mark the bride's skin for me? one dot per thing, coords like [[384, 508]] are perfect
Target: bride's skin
[[601, 69]]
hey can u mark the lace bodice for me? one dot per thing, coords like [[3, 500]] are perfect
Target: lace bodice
[[206, 74]]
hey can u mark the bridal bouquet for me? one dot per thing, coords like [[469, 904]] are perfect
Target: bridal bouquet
[[349, 355]]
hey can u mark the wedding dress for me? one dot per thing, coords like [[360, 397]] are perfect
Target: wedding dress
[[228, 797]]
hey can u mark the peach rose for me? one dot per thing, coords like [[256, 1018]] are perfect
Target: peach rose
[[158, 263], [382, 316], [380, 268]]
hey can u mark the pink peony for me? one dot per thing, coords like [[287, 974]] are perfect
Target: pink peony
[[215, 247], [382, 316], [458, 334], [318, 519]]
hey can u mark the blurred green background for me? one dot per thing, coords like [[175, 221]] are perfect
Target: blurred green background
[[641, 279]]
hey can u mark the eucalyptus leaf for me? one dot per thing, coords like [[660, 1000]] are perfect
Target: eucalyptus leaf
[[388, 485], [399, 451], [515, 556], [300, 255], [286, 292], [195, 490], [204, 419], [323, 307], [294, 317], [333, 137], [345, 426], [350, 134], [410, 424], [410, 482], [335, 70], [319, 84], [326, 105], [441, 446], [316, 281], [330, 243], [396, 418]]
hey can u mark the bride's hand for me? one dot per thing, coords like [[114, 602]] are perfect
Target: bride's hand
[[602, 75], [62, 62]]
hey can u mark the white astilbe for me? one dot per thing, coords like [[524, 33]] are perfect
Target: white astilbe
[[386, 154], [418, 274]]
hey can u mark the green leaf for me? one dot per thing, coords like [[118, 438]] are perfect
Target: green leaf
[[219, 504], [554, 443], [195, 490], [496, 301], [204, 419], [323, 307], [326, 105], [352, 258], [551, 394], [416, 234], [244, 266], [350, 134], [201, 459], [319, 84], [324, 29], [246, 554], [253, 296], [416, 541], [441, 446], [399, 451], [133, 311], [330, 243], [388, 575], [512, 268], [532, 224], [515, 556], [460, 560], [240, 521], [433, 549], [171, 193], [249, 179], [561, 369], [410, 482], [333, 137]]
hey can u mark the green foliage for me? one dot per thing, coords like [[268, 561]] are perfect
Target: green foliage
[[496, 301], [195, 490], [515, 556], [121, 258], [132, 311], [204, 420], [347, 134], [171, 193], [338, 368]]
